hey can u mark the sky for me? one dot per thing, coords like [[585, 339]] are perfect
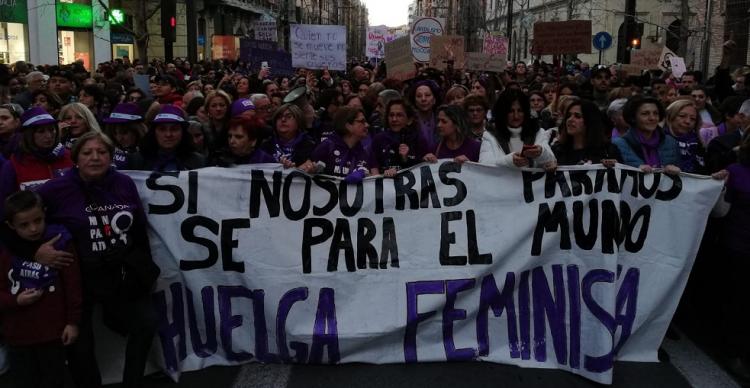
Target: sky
[[392, 13]]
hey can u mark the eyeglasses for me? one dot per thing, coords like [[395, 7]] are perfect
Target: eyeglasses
[[361, 121]]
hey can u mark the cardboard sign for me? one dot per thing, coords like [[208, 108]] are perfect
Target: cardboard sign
[[493, 44], [447, 48], [223, 47], [422, 32], [376, 39], [399, 59], [569, 37], [485, 62], [648, 57], [318, 46]]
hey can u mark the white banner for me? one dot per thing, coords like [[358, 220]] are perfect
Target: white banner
[[376, 39], [569, 270], [318, 46]]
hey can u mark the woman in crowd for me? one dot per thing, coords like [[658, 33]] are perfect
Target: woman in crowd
[[401, 145], [241, 145], [93, 199], [455, 142], [614, 113], [346, 88], [125, 126], [198, 133], [289, 145], [582, 137], [75, 120], [93, 98], [537, 102], [167, 146], [456, 94], [217, 107], [522, 143], [683, 123], [484, 87], [10, 122], [646, 145], [47, 100], [425, 96], [243, 87], [343, 154], [39, 157]]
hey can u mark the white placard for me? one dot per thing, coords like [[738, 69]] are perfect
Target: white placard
[[422, 31], [318, 46]]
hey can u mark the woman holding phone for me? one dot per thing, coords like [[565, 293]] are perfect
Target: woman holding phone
[[522, 143]]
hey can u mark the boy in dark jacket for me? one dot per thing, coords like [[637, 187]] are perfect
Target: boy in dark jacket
[[41, 306]]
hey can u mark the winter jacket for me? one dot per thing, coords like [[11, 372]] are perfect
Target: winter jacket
[[632, 151]]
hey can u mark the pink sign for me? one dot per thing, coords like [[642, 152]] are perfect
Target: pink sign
[[495, 45]]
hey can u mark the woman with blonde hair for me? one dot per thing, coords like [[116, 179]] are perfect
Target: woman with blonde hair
[[75, 120], [683, 123], [217, 107]]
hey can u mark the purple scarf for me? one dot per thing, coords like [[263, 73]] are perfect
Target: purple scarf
[[650, 148]]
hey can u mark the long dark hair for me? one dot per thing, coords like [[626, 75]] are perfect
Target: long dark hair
[[592, 120], [457, 115], [500, 113]]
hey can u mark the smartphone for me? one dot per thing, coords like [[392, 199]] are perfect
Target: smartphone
[[264, 65]]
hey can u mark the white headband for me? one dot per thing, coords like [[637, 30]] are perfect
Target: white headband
[[124, 116], [171, 116]]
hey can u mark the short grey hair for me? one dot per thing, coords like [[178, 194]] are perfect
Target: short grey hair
[[617, 106], [745, 108], [34, 74], [255, 98]]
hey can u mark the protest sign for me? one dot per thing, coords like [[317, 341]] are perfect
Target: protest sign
[[447, 48], [318, 46], [493, 44], [376, 40], [255, 52], [665, 60], [571, 269], [569, 37], [422, 32], [399, 59], [485, 62], [678, 66], [264, 30], [223, 47], [648, 56], [141, 81]]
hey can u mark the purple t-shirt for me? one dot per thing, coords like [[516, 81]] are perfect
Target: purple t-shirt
[[339, 159], [27, 274], [469, 148]]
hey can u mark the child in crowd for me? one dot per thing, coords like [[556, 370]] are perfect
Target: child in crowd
[[41, 306]]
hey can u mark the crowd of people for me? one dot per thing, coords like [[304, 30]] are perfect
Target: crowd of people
[[74, 234]]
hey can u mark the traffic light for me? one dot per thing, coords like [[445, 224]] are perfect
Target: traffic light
[[635, 32], [169, 20], [635, 43]]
